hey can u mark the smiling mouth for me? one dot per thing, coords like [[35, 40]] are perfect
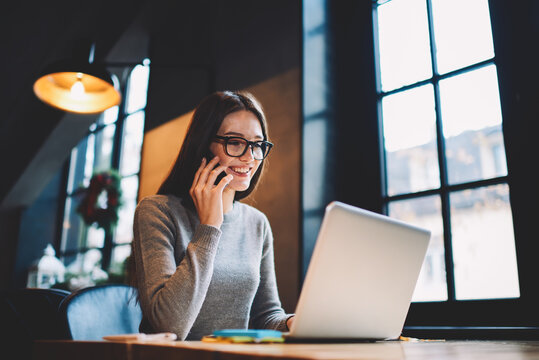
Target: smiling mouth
[[241, 171]]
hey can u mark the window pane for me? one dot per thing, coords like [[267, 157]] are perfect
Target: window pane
[[463, 33], [77, 166], [74, 263], [426, 212], [132, 144], [315, 90], [315, 164], [86, 267], [483, 244], [109, 116], [73, 229], [118, 265], [137, 88], [124, 229], [104, 141], [403, 40], [472, 126], [315, 53], [409, 124], [68, 259], [95, 237]]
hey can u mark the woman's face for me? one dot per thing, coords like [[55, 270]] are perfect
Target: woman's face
[[246, 125]]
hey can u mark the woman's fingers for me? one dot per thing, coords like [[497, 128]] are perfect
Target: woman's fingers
[[197, 175], [206, 196], [213, 175], [199, 170], [203, 178], [224, 182]]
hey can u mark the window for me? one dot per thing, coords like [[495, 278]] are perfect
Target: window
[[443, 146], [114, 141]]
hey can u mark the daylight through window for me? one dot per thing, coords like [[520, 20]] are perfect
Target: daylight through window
[[444, 154]]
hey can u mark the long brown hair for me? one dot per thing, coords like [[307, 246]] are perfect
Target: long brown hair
[[204, 125]]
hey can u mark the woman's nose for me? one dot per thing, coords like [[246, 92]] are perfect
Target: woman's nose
[[248, 155]]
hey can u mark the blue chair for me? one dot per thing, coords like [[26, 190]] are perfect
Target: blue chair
[[30, 314], [101, 310]]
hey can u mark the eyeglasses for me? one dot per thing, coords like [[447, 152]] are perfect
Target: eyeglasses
[[236, 146]]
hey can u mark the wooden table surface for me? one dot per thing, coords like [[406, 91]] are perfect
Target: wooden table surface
[[439, 350]]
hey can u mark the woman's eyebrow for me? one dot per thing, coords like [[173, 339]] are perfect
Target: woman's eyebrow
[[233, 133]]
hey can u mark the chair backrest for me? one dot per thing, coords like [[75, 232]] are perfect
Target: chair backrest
[[29, 314], [97, 311]]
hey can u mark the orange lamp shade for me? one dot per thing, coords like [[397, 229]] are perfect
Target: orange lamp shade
[[79, 88]]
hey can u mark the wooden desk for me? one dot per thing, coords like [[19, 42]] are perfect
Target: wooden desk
[[188, 350]]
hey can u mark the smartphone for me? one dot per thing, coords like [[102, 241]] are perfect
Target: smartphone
[[209, 155]]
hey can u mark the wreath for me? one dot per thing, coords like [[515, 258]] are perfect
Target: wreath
[[89, 208]]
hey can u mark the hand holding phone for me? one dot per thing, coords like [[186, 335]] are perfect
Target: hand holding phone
[[207, 191], [209, 156]]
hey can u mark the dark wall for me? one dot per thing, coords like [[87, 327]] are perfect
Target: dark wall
[[9, 231], [517, 59], [203, 46], [279, 192]]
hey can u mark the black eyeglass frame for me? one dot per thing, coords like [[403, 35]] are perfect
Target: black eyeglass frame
[[250, 145]]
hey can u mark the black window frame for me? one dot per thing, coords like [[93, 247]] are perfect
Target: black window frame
[[474, 316], [445, 188]]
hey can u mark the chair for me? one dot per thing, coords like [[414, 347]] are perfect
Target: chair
[[101, 310], [30, 314]]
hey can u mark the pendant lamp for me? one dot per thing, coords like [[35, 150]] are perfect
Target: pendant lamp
[[78, 86]]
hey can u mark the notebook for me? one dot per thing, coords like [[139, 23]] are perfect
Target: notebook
[[361, 277]]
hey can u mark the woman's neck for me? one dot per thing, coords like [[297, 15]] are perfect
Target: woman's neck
[[228, 199]]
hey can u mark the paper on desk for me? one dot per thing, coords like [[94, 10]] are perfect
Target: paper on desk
[[166, 336]]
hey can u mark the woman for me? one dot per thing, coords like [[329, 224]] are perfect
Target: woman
[[203, 260]]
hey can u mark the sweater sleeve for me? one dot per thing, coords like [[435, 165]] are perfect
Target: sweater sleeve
[[266, 312], [171, 294]]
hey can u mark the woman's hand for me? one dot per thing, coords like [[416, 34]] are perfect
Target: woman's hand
[[208, 198]]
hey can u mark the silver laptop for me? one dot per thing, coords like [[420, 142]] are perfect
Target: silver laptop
[[361, 277]]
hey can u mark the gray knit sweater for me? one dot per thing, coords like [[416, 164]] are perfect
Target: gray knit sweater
[[194, 279]]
